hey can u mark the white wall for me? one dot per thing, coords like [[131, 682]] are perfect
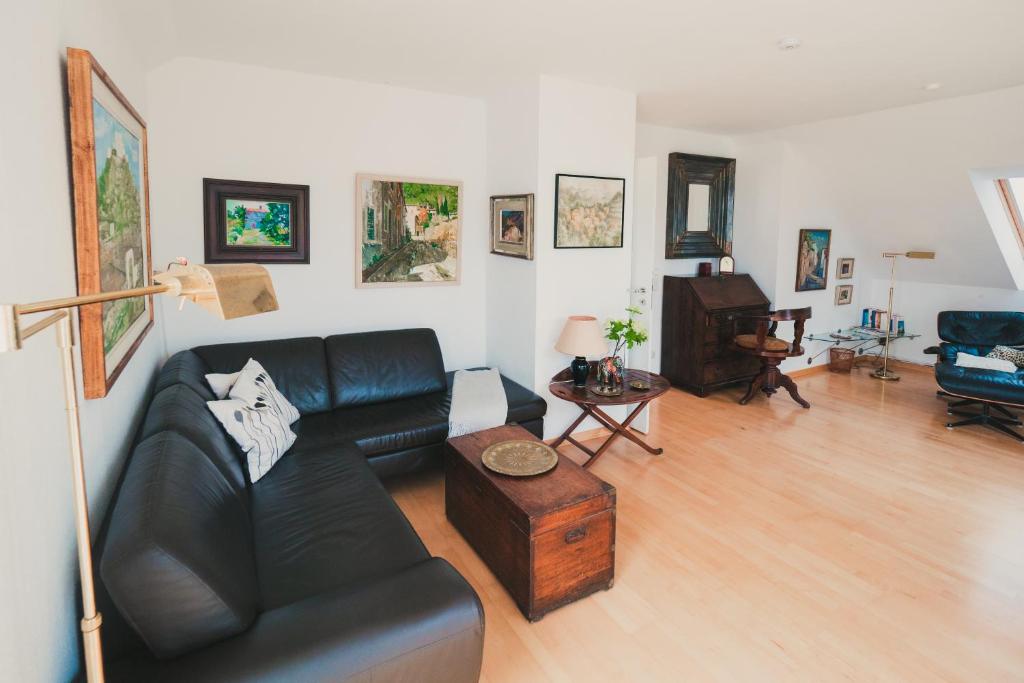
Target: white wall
[[894, 180], [321, 132], [38, 566], [512, 129], [659, 142], [584, 130]]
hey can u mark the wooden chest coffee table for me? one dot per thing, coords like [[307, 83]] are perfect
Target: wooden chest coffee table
[[550, 539]]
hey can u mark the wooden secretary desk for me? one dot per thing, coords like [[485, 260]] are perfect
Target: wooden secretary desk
[[700, 317]]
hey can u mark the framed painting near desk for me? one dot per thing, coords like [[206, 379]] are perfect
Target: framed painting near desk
[[812, 259]]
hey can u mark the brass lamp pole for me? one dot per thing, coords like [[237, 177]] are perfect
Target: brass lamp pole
[[230, 291], [883, 373]]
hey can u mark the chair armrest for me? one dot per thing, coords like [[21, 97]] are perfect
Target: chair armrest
[[933, 351], [424, 623]]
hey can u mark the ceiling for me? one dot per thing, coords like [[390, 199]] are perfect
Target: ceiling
[[707, 65]]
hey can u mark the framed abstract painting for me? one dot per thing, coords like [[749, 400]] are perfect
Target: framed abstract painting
[[252, 222], [812, 259], [111, 206], [589, 211], [512, 225], [408, 231]]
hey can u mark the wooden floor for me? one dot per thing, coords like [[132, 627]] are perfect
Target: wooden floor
[[857, 541]]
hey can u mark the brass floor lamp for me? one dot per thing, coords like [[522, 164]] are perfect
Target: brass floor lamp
[[230, 291], [884, 373]]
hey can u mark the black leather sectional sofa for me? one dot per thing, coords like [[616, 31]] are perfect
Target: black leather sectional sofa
[[312, 573]]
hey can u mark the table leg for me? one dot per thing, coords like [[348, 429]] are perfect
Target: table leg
[[566, 434]]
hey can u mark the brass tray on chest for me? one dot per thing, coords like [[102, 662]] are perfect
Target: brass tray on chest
[[519, 458]]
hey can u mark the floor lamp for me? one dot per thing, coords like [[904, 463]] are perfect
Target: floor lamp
[[884, 373], [230, 291]]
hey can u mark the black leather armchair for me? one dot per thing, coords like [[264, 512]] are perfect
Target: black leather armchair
[[991, 392]]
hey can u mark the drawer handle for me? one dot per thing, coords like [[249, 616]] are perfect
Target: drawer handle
[[575, 535]]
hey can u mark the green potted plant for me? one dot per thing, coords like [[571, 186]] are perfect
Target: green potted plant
[[626, 333]]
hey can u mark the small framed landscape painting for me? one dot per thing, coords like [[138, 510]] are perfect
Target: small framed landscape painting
[[844, 294], [512, 225], [111, 205], [812, 259], [588, 211], [408, 231], [844, 268], [255, 222]]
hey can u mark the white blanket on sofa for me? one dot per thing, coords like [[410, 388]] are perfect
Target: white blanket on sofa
[[478, 402]]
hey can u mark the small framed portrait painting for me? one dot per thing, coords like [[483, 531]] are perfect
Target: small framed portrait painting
[[812, 259], [512, 225]]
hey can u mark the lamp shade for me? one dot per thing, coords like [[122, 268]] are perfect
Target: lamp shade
[[228, 291], [582, 336]]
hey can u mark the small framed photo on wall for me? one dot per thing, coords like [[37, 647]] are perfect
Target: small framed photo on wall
[[844, 295], [512, 225], [844, 268], [253, 222]]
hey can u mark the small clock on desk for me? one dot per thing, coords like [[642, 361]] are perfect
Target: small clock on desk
[[726, 265]]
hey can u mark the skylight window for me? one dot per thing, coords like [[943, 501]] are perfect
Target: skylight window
[[1011, 190]]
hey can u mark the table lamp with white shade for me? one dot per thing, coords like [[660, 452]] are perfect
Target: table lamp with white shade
[[581, 336]]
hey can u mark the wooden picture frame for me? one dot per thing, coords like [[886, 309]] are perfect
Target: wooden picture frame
[[512, 225], [580, 193], [112, 234], [387, 227], [844, 268], [844, 295], [239, 228], [714, 239], [812, 252]]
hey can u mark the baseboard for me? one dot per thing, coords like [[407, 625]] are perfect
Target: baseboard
[[803, 372], [587, 434]]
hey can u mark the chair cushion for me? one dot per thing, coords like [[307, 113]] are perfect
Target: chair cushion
[[749, 341], [321, 519], [982, 328], [297, 366], [373, 367], [987, 385], [178, 558]]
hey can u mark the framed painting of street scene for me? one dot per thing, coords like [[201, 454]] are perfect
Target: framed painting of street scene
[[408, 231], [512, 225], [111, 207], [253, 222]]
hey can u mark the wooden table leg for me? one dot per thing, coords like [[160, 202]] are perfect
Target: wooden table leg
[[618, 429], [566, 435]]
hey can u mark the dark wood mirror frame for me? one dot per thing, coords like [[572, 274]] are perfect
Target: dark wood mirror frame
[[720, 174]]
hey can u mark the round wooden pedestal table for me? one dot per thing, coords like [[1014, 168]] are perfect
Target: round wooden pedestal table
[[591, 405]]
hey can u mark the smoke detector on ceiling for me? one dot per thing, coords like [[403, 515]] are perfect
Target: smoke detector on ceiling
[[787, 44]]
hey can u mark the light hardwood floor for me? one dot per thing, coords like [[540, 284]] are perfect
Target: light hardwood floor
[[859, 540]]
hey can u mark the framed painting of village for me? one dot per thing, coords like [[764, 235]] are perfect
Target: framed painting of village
[[589, 211], [111, 206], [408, 231], [254, 222]]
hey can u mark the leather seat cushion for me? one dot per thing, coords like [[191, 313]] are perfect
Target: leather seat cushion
[[297, 366], [402, 424], [321, 519], [749, 341], [987, 385]]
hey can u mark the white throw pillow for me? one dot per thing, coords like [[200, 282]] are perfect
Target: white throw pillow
[[261, 432], [255, 387], [221, 383], [966, 360]]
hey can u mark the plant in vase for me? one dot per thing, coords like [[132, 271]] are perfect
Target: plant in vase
[[627, 334]]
